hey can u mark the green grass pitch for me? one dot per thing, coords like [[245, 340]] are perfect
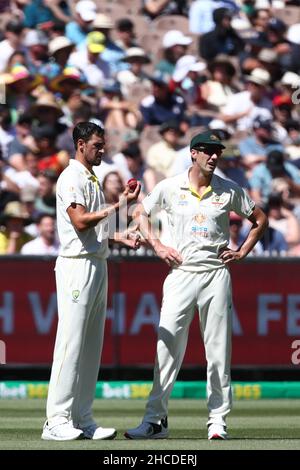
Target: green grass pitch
[[264, 424]]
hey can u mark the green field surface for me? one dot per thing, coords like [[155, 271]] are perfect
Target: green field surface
[[264, 424]]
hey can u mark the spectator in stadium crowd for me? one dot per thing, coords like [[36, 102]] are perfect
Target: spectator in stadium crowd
[[113, 187], [217, 90], [161, 155], [77, 30], [282, 112], [69, 80], [293, 140], [230, 166], [293, 36], [276, 174], [281, 218], [13, 42], [201, 14], [6, 131], [47, 111], [20, 84], [49, 156], [46, 242], [175, 45], [242, 108], [162, 105], [187, 80], [13, 236], [277, 41], [136, 57], [137, 168], [45, 202], [36, 43], [25, 178], [112, 53], [222, 39], [17, 58], [125, 34], [129, 136], [60, 48], [18, 147], [114, 110], [255, 147], [88, 59], [9, 190]]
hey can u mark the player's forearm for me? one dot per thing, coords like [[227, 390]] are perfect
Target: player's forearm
[[143, 224], [86, 220], [255, 234]]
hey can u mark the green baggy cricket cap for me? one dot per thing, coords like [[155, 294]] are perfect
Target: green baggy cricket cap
[[204, 139]]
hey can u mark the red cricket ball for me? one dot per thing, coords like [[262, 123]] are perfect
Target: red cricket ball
[[132, 183]]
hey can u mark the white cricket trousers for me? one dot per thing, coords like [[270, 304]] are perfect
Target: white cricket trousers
[[81, 296], [183, 291]]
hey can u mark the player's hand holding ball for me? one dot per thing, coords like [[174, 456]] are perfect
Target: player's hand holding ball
[[132, 184], [131, 193]]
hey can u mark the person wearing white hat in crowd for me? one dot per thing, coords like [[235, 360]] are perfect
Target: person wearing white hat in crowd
[[293, 36], [243, 107], [136, 57], [85, 13], [186, 77], [59, 50], [175, 45], [36, 44]]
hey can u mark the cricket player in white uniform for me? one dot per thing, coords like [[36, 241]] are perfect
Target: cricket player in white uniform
[[197, 204], [81, 279]]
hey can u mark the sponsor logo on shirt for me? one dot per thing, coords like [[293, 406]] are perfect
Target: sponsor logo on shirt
[[182, 200], [200, 229], [75, 295], [217, 200]]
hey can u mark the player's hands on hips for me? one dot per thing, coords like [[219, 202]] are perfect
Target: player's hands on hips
[[227, 255], [167, 254]]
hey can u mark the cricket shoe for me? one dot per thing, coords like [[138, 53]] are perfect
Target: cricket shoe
[[149, 431], [97, 433], [217, 432], [64, 431]]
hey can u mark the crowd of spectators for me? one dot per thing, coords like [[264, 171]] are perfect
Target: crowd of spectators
[[153, 73]]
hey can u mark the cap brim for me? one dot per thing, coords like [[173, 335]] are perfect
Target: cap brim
[[250, 79], [96, 48], [197, 67], [87, 16], [134, 58], [209, 144]]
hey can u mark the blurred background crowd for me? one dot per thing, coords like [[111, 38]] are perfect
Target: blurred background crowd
[[153, 73]]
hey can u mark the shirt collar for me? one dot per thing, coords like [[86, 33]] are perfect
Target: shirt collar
[[89, 174], [185, 182]]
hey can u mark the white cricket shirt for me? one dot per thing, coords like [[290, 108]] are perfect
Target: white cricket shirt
[[77, 184], [198, 227]]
